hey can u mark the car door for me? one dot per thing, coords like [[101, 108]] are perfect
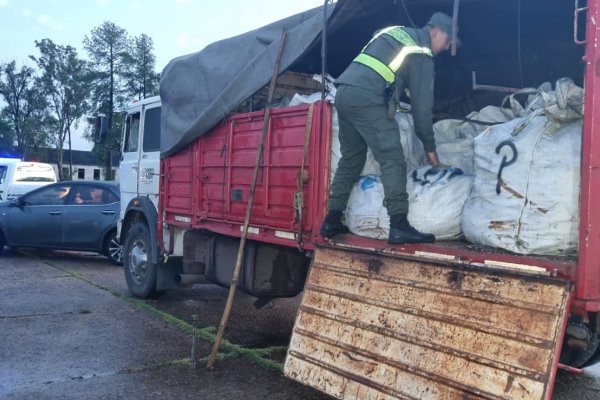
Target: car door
[[36, 220], [91, 211]]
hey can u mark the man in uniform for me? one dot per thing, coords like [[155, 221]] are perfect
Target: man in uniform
[[395, 59]]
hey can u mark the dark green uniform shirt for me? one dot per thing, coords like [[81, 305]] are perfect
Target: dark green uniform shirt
[[416, 74]]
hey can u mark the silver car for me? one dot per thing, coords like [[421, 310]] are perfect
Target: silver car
[[76, 215]]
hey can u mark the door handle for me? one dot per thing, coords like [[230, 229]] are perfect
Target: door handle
[[108, 212], [54, 212]]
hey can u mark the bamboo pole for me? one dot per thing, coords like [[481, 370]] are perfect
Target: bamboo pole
[[238, 264]]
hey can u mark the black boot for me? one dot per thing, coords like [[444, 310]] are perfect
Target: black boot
[[402, 232], [332, 225]]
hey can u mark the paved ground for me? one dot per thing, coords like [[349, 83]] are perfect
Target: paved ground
[[69, 330]]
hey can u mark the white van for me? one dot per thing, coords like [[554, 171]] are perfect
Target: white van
[[19, 177]]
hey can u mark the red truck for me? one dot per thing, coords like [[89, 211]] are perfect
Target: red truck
[[449, 320]]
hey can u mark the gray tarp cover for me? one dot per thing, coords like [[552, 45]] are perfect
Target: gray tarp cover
[[200, 89]]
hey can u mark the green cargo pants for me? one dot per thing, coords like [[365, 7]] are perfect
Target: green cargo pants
[[364, 122]]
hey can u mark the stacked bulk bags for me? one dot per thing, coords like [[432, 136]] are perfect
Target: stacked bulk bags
[[520, 187], [436, 199]]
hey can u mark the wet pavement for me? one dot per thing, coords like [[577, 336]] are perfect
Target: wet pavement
[[69, 330]]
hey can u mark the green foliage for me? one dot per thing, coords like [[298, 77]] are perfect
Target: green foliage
[[25, 115], [140, 76], [40, 106], [66, 82], [108, 47], [7, 135]]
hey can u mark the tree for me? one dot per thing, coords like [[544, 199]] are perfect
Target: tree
[[7, 136], [107, 47], [140, 76], [25, 113], [66, 83]]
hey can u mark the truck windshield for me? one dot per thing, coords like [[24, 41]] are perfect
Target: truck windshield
[[35, 173]]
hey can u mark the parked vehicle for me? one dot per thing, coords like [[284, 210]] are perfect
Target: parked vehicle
[[65, 216], [447, 320], [19, 177]]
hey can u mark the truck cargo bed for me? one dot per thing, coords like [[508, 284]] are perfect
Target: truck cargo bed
[[208, 186]]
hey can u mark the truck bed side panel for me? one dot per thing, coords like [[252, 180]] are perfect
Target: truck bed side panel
[[207, 185]]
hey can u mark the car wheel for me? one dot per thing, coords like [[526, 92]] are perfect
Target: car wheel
[[2, 242], [113, 248], [140, 271]]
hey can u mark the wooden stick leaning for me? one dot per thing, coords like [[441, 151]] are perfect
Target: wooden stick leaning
[[238, 264]]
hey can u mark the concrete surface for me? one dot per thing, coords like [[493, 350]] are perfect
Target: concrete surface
[[68, 330]]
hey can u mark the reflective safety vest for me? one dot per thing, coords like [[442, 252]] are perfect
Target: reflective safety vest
[[409, 46]]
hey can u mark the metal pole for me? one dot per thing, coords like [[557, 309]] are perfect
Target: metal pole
[[238, 264], [324, 51], [454, 27]]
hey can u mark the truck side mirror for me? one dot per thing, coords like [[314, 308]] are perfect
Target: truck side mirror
[[101, 129]]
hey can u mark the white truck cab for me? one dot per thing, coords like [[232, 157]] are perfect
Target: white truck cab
[[139, 169], [19, 177], [140, 152]]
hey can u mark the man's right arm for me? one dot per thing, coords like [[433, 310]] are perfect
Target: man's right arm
[[420, 86]]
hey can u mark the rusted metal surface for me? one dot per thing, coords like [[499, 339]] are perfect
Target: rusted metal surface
[[377, 327]]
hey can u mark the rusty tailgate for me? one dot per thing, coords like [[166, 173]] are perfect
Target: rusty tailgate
[[378, 327]]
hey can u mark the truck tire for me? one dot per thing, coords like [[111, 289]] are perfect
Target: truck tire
[[140, 271], [587, 353], [2, 242]]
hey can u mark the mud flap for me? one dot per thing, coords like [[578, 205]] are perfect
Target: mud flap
[[379, 327]]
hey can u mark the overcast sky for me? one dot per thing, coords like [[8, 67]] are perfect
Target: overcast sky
[[177, 27]]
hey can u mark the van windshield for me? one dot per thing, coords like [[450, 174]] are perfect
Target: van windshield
[[35, 173]]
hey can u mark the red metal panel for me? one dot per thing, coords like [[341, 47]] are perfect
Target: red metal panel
[[588, 271], [178, 181], [224, 162]]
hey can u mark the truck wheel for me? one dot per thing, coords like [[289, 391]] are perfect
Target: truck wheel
[[581, 346], [140, 272], [113, 249], [2, 242]]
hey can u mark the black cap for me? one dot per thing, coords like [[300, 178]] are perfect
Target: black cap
[[444, 23]]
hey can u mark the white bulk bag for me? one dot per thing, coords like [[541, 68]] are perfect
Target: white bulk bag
[[454, 148], [454, 138], [436, 198], [412, 147], [525, 197], [365, 214]]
